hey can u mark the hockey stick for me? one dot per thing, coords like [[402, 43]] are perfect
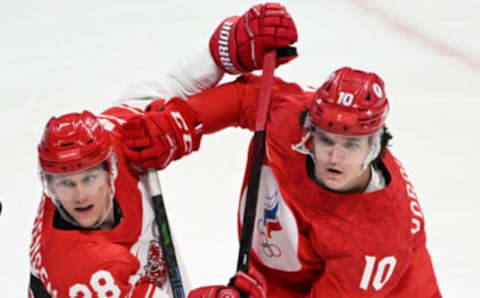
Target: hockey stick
[[166, 240], [256, 157]]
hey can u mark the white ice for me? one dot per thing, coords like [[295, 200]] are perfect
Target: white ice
[[61, 56]]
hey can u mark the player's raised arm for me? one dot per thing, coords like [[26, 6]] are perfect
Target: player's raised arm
[[237, 45], [190, 76]]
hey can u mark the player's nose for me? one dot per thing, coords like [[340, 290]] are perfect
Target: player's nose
[[80, 193], [336, 154]]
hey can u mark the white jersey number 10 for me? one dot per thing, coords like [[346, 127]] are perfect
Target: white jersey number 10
[[380, 278]]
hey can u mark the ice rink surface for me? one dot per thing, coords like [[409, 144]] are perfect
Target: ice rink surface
[[62, 56]]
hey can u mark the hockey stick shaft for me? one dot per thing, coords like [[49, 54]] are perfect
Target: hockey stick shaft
[[258, 149], [256, 157], [166, 240]]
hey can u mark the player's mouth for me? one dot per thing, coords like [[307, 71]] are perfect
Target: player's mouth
[[84, 209], [334, 171]]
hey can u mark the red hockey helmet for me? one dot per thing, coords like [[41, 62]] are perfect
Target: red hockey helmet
[[350, 102], [73, 142]]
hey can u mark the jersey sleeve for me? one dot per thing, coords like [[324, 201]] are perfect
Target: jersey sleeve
[[113, 118], [192, 76], [187, 78], [232, 104], [235, 103]]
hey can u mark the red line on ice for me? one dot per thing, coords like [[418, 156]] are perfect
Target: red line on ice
[[418, 35]]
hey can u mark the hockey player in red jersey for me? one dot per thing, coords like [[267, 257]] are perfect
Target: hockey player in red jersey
[[94, 235], [337, 215]]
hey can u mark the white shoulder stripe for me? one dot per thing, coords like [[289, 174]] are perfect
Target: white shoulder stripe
[[112, 118], [129, 108]]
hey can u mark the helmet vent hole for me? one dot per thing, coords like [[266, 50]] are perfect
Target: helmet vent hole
[[330, 124], [368, 97], [345, 128], [79, 165], [64, 168], [66, 144], [89, 141], [327, 88]]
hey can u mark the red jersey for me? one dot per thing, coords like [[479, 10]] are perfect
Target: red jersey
[[311, 242], [122, 262]]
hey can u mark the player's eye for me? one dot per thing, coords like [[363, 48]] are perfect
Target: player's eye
[[89, 179], [351, 145], [67, 183], [325, 140]]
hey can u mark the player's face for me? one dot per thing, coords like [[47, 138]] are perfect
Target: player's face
[[339, 160], [84, 195]]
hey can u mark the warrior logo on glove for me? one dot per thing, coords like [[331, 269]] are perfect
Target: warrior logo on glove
[[239, 43]]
